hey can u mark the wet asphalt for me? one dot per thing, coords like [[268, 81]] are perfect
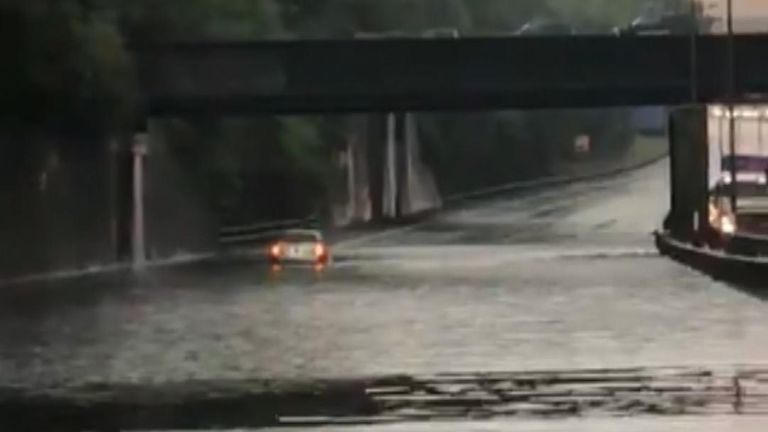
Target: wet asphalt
[[561, 278]]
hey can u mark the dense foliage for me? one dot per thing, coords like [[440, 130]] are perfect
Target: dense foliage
[[64, 52]]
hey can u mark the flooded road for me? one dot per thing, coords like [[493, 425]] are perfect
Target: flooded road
[[563, 278]]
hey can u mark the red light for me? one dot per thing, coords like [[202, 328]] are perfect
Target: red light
[[275, 250], [320, 250]]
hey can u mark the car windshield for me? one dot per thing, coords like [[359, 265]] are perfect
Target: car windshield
[[747, 163], [383, 214], [300, 237]]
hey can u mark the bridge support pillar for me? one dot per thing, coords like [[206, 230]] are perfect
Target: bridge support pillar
[[403, 155], [396, 166], [400, 183], [375, 131], [688, 218], [391, 171]]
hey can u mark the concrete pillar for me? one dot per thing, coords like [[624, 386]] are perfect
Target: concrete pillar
[[412, 179], [390, 168], [688, 218], [351, 179], [358, 185], [139, 150], [375, 156], [401, 165], [419, 192]]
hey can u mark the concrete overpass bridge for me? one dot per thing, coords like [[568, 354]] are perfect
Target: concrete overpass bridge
[[405, 75], [429, 74]]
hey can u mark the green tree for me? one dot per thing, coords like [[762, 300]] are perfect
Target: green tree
[[611, 13], [75, 71], [503, 15], [345, 18], [601, 12], [144, 20]]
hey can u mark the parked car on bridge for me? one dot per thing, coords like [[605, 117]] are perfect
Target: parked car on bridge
[[545, 27], [299, 246], [667, 24]]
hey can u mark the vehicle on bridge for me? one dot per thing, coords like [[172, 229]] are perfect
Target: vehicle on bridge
[[544, 27], [667, 24], [299, 247]]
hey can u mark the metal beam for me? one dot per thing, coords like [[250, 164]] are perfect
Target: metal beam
[[416, 74]]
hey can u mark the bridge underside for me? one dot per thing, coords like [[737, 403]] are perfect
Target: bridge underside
[[482, 73]]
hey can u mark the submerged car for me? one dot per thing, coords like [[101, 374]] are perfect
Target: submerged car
[[299, 247]]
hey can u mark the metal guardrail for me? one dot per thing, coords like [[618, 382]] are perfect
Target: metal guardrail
[[255, 233]]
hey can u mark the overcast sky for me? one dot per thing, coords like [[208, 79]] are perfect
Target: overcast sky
[[741, 8], [748, 14], [750, 7]]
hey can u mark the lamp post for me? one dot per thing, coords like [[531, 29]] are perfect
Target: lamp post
[[731, 117], [694, 53], [139, 150]]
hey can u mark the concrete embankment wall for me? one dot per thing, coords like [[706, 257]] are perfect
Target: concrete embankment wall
[[179, 218], [419, 181], [54, 207], [69, 210], [65, 207]]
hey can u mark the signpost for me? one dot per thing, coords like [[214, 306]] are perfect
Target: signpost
[[731, 117], [582, 144], [139, 150]]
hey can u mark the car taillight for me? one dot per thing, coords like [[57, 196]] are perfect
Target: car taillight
[[275, 250], [320, 250]]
